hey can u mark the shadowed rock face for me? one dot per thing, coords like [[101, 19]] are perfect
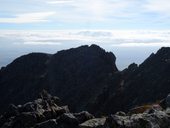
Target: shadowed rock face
[[150, 81], [76, 75], [146, 83], [23, 79]]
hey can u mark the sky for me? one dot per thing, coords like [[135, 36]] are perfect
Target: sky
[[84, 14], [131, 29]]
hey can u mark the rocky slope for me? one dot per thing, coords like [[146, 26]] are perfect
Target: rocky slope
[[45, 112]]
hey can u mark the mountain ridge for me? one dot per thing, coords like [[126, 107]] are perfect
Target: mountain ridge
[[87, 76], [67, 70]]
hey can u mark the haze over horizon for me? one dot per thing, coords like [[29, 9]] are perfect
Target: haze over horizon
[[132, 29], [128, 46]]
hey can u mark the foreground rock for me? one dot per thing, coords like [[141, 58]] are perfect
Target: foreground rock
[[48, 124], [158, 119], [93, 123], [45, 112], [42, 113]]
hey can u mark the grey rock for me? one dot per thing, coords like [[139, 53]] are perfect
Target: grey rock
[[93, 123], [26, 119], [158, 119], [68, 118], [48, 124], [83, 116], [120, 113], [168, 100]]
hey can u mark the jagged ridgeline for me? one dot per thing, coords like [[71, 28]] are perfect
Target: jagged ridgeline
[[86, 78]]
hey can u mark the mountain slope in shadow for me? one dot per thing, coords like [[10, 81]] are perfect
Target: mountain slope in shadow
[[77, 76], [86, 78]]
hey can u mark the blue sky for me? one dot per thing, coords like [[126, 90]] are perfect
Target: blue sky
[[84, 14]]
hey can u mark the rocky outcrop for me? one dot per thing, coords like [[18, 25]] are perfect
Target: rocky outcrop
[[44, 112], [157, 119]]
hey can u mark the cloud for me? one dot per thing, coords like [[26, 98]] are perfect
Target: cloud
[[60, 1], [96, 10], [106, 14], [158, 6], [160, 44], [42, 43], [110, 38], [28, 18], [102, 10], [94, 33]]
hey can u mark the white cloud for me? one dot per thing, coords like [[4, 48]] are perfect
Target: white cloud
[[112, 13], [121, 38], [60, 1], [101, 9], [42, 43], [93, 11], [28, 18], [158, 6], [160, 44]]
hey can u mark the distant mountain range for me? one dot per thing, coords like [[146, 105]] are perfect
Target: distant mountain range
[[86, 78]]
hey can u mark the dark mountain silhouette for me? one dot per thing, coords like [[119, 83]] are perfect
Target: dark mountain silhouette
[[86, 78], [77, 76], [146, 83], [151, 80]]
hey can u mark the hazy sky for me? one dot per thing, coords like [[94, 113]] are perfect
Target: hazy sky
[[84, 14], [128, 46]]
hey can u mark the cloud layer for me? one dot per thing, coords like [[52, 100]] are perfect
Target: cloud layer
[[112, 38]]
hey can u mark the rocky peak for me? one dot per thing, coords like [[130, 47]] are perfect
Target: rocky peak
[[164, 51], [78, 73]]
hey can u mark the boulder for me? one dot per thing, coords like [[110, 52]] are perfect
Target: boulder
[[168, 100], [68, 118], [93, 123], [28, 107], [162, 103], [140, 109], [48, 124], [12, 111], [26, 119], [83, 116], [120, 113], [9, 124]]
